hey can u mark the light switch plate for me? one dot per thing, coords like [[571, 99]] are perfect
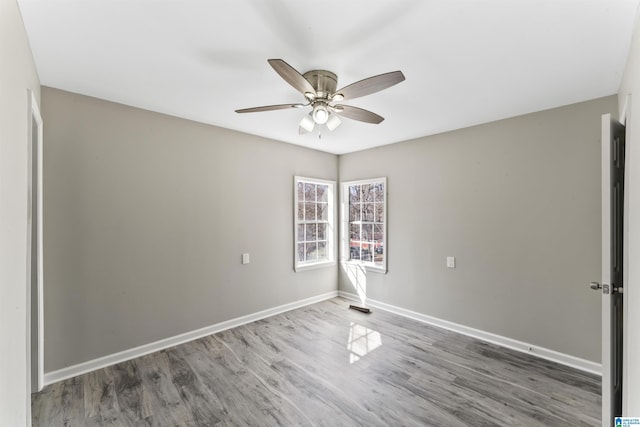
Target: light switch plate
[[451, 262], [245, 258]]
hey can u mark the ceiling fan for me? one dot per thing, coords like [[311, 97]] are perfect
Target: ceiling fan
[[319, 90]]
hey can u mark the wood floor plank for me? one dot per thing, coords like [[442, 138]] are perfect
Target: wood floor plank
[[51, 408], [160, 392], [41, 403], [128, 392], [100, 403], [244, 394], [326, 365], [196, 398], [316, 399]]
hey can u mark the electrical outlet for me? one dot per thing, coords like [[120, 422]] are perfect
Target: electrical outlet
[[451, 262], [245, 258]]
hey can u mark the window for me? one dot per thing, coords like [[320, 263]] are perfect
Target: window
[[314, 226], [364, 226]]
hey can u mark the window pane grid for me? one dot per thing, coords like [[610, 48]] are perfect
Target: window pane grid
[[313, 222], [366, 216]]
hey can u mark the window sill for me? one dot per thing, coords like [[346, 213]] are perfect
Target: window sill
[[304, 267]]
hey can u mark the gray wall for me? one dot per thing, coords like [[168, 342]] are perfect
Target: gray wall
[[17, 74], [146, 217], [517, 202]]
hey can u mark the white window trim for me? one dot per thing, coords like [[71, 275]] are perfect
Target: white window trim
[[331, 236], [344, 226]]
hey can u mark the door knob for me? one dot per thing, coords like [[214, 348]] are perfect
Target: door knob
[[606, 289]]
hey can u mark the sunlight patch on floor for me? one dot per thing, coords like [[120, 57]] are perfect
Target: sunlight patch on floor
[[362, 341]]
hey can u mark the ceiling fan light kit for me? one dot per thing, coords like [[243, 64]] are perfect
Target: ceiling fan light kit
[[319, 89], [333, 122], [306, 124], [320, 113]]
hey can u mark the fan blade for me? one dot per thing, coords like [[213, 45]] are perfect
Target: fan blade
[[270, 108], [356, 113], [370, 85], [292, 76]]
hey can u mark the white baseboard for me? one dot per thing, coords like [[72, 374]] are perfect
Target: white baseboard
[[112, 359], [542, 352]]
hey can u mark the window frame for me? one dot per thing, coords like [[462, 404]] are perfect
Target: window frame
[[331, 225], [345, 252]]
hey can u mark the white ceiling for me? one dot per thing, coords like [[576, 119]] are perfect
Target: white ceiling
[[465, 62]]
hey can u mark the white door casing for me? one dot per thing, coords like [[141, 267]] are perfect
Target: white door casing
[[34, 285]]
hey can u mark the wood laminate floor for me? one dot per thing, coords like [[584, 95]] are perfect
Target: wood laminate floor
[[326, 365]]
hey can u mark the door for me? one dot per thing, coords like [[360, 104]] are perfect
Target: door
[[611, 284]]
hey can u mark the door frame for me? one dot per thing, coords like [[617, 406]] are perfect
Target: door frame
[[606, 268], [612, 295], [624, 115], [35, 321]]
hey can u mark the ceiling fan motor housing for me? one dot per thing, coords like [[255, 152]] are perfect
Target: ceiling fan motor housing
[[323, 81]]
